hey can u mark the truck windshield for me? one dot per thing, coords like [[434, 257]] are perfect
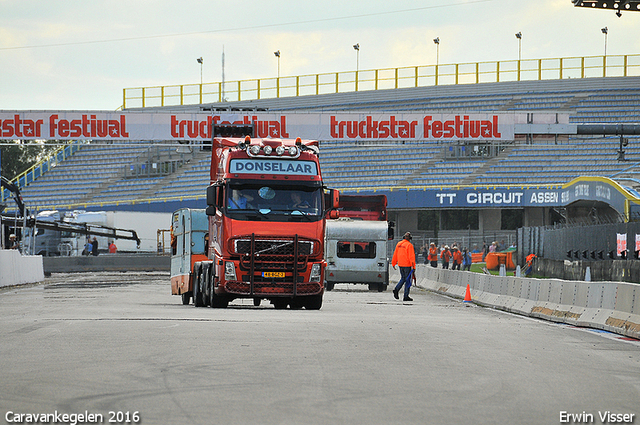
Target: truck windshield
[[274, 202]]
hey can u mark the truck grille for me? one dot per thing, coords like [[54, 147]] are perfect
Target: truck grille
[[261, 256], [277, 247]]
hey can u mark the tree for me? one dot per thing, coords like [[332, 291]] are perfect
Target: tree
[[17, 156]]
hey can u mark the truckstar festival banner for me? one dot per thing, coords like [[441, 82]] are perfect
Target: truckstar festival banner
[[104, 125]]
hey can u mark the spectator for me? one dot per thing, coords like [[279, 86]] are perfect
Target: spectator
[[424, 251], [445, 256], [457, 258], [112, 248], [88, 247], [94, 247], [466, 260], [13, 243], [433, 255]]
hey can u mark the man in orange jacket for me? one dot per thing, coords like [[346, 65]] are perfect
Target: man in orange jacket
[[433, 255], [445, 255], [405, 257]]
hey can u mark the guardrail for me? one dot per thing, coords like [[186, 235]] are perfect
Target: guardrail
[[610, 306], [380, 79]]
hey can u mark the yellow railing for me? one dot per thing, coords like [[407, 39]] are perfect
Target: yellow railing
[[379, 79]]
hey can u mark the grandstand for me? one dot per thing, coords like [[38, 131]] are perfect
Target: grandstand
[[116, 176]]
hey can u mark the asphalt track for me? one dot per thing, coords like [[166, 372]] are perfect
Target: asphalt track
[[119, 342]]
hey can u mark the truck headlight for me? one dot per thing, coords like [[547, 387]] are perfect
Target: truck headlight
[[315, 273], [229, 271]]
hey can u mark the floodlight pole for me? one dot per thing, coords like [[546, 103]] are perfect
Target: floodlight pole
[[356, 47], [200, 61], [277, 55], [437, 43]]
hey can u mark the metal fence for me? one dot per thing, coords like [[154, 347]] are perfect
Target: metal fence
[[590, 243]]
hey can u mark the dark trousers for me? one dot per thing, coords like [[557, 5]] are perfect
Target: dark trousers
[[405, 279]]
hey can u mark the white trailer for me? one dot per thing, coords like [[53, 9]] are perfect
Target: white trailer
[[356, 252]]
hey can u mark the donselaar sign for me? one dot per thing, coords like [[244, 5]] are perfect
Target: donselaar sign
[[101, 125]]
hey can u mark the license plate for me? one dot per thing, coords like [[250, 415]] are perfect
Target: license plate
[[272, 274]]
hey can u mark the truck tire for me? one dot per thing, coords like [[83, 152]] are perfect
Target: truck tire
[[186, 298], [313, 302], [382, 287], [280, 303], [204, 285], [329, 286], [215, 301], [197, 290]]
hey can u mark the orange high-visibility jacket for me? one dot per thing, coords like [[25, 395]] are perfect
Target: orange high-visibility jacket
[[457, 257], [445, 255], [433, 254], [404, 255]]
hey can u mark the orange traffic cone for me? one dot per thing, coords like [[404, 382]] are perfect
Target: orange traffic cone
[[467, 296]]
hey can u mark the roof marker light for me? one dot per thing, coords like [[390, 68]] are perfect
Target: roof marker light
[[267, 149], [280, 150]]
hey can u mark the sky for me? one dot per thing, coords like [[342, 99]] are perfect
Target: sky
[[79, 54]]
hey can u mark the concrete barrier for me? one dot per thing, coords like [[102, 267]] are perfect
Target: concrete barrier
[[16, 269], [610, 306], [107, 262]]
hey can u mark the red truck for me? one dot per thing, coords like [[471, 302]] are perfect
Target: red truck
[[267, 211]]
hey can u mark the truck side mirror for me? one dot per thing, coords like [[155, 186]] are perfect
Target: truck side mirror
[[335, 198], [212, 196]]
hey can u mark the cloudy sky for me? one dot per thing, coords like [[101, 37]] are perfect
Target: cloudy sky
[[78, 54]]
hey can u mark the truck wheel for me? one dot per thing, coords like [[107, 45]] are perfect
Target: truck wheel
[[329, 286], [197, 290], [204, 284], [280, 303], [256, 302], [220, 301], [382, 287], [186, 297], [314, 302], [296, 303]]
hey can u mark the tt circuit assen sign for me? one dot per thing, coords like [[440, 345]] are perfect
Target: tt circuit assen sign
[[100, 125], [591, 189]]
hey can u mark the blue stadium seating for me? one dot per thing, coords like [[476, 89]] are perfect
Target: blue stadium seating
[[97, 172]]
